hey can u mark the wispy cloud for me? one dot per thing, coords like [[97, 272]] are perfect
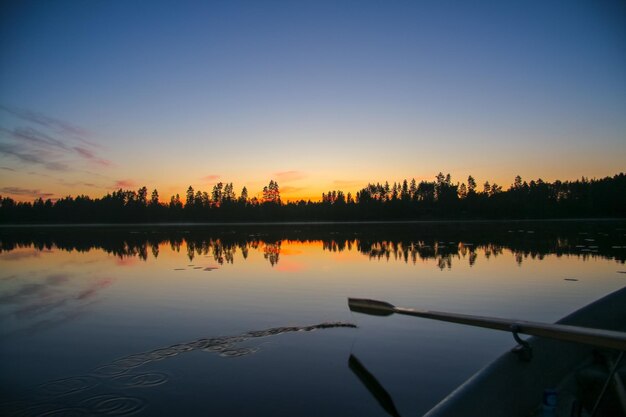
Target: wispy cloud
[[8, 169], [59, 126], [34, 136], [78, 184], [24, 192], [287, 189], [125, 184], [39, 174], [47, 141], [31, 156], [87, 154], [210, 177], [38, 145], [287, 176]]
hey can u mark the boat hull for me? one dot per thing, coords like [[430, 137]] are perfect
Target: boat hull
[[512, 387]]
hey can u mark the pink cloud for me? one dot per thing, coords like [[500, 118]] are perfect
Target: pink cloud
[[288, 189], [287, 176], [211, 177], [125, 184]]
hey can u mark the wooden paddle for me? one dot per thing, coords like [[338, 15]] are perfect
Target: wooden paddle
[[597, 337]]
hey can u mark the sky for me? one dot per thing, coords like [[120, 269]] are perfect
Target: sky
[[317, 95]]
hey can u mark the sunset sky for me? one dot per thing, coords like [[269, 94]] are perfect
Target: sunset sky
[[317, 95]]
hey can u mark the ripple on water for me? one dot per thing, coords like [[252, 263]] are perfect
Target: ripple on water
[[134, 360], [17, 408], [114, 405], [148, 379], [33, 409], [67, 412], [69, 385], [110, 370]]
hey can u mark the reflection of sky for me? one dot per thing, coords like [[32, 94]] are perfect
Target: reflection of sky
[[63, 313], [34, 299], [39, 288], [318, 96]]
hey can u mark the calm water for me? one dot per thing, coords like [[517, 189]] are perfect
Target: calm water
[[252, 320]]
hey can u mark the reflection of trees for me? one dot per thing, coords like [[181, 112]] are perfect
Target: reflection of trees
[[220, 251], [441, 252], [337, 246], [445, 245], [271, 252], [175, 244]]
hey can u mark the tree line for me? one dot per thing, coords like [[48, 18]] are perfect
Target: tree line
[[401, 200]]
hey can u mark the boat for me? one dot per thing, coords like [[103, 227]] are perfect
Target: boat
[[555, 374]]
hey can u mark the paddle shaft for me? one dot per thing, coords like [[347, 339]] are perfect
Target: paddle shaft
[[597, 337]]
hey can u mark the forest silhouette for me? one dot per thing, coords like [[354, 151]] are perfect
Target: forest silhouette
[[402, 200]]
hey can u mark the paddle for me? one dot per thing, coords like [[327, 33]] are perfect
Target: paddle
[[597, 337], [373, 386]]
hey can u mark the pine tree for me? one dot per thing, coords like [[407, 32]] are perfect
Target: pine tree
[[216, 194], [154, 198], [462, 191], [471, 185], [190, 196], [243, 197]]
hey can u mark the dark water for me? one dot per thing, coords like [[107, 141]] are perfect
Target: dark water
[[253, 320]]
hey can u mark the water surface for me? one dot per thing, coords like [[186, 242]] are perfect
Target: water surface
[[253, 320]]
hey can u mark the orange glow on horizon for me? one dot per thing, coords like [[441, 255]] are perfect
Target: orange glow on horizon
[[292, 190]]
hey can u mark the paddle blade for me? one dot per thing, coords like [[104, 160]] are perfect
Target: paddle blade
[[371, 307], [373, 386]]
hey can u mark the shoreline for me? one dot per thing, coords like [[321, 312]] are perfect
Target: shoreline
[[311, 223]]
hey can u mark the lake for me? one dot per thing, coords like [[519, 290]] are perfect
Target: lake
[[241, 320]]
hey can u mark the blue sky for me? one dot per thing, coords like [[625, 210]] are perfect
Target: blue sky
[[318, 95]]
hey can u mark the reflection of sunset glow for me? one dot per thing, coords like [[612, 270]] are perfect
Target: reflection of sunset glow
[[290, 266], [126, 261], [197, 270], [288, 250], [227, 250]]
